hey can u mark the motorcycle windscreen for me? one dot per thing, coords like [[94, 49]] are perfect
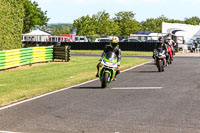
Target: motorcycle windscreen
[[111, 56], [160, 50]]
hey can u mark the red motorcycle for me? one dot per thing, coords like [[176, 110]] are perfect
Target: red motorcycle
[[171, 54]]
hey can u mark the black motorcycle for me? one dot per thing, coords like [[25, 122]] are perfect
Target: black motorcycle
[[160, 59]]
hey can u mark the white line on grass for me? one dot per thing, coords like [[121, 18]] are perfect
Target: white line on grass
[[50, 93]]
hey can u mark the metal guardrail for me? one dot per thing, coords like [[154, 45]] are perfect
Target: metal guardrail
[[24, 56]]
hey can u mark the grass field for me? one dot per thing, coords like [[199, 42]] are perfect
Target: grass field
[[39, 79], [99, 52]]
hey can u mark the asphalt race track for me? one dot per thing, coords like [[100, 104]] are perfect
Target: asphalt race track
[[142, 100]]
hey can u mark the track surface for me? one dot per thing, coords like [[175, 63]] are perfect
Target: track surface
[[174, 108]]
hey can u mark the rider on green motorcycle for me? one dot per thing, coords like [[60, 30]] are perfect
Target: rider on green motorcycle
[[113, 47]]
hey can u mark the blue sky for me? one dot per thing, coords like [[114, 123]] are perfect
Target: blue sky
[[66, 11]]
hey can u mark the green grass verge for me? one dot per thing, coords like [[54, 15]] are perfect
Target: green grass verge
[[39, 79], [99, 52]]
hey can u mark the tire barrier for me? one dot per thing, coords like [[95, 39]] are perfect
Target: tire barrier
[[24, 56], [62, 52]]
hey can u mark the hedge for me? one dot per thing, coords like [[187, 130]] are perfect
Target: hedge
[[11, 24]]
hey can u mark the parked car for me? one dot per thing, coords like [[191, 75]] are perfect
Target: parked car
[[189, 46], [181, 46], [153, 41], [89, 40], [81, 39], [102, 40], [106, 39], [130, 40]]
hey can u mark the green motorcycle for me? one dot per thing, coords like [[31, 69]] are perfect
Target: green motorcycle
[[108, 69]]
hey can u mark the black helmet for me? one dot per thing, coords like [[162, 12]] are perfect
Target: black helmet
[[160, 39]]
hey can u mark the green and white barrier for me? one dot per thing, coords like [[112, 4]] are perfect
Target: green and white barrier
[[18, 57]]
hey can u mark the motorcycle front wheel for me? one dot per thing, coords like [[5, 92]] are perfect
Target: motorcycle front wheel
[[160, 66], [104, 80]]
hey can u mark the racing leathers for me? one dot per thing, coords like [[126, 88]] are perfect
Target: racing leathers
[[172, 45]]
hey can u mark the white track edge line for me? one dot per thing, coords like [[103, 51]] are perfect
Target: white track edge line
[[8, 132], [136, 88], [53, 92]]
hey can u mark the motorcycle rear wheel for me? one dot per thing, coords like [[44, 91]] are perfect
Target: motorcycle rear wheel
[[160, 66]]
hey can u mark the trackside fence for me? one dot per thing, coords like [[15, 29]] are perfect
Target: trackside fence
[[125, 46]]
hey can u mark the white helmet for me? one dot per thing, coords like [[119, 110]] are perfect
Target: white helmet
[[168, 38]]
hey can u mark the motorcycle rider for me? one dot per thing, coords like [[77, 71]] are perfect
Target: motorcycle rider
[[171, 43], [163, 46], [196, 45], [113, 47]]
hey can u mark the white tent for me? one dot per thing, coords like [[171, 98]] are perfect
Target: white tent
[[36, 35], [189, 32]]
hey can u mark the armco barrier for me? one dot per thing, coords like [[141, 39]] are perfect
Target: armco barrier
[[125, 46], [18, 57]]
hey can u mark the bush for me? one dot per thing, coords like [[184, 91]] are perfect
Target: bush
[[11, 24]]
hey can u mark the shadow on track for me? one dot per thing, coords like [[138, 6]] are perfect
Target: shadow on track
[[87, 88], [146, 71], [150, 64]]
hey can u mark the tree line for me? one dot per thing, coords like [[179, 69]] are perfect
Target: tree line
[[101, 24], [58, 29], [123, 24], [33, 15]]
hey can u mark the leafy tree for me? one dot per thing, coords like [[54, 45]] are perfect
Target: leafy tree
[[85, 25], [104, 25], [114, 28], [154, 24], [123, 24], [33, 16], [101, 24], [193, 20], [98, 24], [59, 29], [176, 21], [128, 25]]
